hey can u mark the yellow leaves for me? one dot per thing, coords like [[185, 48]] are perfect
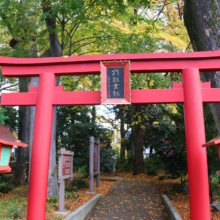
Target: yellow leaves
[[151, 83], [143, 127], [133, 123], [173, 30], [146, 117], [174, 109]]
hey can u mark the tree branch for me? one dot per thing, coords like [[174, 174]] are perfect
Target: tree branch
[[6, 88]]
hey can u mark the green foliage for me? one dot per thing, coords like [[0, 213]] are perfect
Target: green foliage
[[214, 184], [176, 188], [106, 159], [6, 183], [53, 200], [11, 119], [76, 184], [2, 116], [73, 186], [74, 127], [127, 164], [153, 165], [15, 213], [211, 132]]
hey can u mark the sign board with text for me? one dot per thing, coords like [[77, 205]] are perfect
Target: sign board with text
[[94, 162], [65, 171], [115, 82], [65, 164]]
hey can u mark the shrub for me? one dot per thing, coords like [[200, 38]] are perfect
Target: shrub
[[153, 165], [161, 178], [107, 159], [176, 188], [214, 184], [127, 164], [76, 184], [6, 183], [53, 200], [15, 213]]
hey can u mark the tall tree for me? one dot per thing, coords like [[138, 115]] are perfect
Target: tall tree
[[202, 22]]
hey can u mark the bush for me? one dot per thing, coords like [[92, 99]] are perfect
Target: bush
[[161, 178], [214, 184], [106, 159], [15, 213], [153, 165], [53, 200], [76, 184], [6, 183], [176, 188]]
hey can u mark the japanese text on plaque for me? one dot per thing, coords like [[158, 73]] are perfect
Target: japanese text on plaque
[[115, 82]]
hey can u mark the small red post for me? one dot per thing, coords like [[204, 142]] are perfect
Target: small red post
[[41, 148], [196, 154]]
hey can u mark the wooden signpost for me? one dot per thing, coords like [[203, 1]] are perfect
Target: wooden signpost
[[65, 172], [94, 163]]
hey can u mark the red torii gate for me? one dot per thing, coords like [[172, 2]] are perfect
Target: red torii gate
[[191, 92]]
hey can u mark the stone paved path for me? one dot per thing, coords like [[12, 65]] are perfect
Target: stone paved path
[[130, 199]]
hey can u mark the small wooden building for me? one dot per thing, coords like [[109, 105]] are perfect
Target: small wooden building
[[7, 141]]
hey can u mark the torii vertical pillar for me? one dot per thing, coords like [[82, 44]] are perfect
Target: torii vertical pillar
[[196, 154], [41, 148]]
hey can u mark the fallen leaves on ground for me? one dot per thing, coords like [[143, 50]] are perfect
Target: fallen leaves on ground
[[131, 199], [179, 200], [9, 201], [82, 197]]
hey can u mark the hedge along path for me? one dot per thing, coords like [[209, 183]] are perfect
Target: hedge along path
[[131, 199]]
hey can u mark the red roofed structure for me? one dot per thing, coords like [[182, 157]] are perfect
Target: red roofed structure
[[7, 141], [214, 141]]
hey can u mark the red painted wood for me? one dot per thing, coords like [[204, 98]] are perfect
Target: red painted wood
[[177, 85], [206, 85], [140, 63], [41, 148], [109, 57], [94, 97], [196, 154], [214, 141], [211, 95], [22, 99], [137, 96], [33, 89], [157, 96], [59, 88], [77, 97], [5, 169]]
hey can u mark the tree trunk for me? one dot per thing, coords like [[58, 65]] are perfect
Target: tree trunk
[[202, 21], [53, 51], [23, 135], [93, 114], [122, 130], [139, 148]]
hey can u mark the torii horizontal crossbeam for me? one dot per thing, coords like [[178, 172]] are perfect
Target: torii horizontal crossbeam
[[147, 96], [85, 65]]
